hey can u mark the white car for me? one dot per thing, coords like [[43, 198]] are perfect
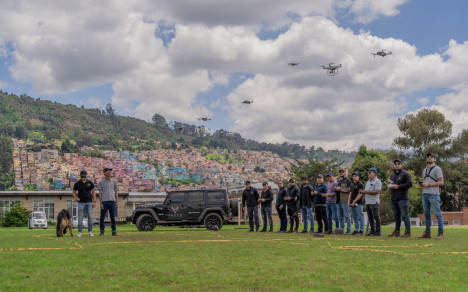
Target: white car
[[75, 222], [37, 219]]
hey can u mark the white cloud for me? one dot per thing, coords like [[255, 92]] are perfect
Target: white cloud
[[64, 47], [423, 100]]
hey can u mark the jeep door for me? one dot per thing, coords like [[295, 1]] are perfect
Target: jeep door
[[195, 205], [217, 199], [174, 207]]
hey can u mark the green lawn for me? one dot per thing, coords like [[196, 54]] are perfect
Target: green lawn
[[172, 258]]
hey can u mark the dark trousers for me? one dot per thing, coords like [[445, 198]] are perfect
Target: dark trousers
[[253, 215], [108, 205], [266, 215], [293, 216], [373, 215], [283, 218], [321, 216]]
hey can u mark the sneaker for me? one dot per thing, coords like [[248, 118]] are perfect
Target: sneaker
[[348, 233], [263, 230], [102, 233], [250, 230], [90, 234], [79, 234], [355, 232], [114, 233], [304, 231], [329, 232]]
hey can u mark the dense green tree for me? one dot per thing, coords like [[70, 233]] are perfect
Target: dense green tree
[[312, 168], [6, 154], [158, 120]]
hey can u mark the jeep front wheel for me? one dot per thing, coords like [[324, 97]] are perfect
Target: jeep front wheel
[[213, 222], [145, 222]]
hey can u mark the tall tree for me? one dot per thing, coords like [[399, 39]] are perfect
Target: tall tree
[[158, 120], [312, 168], [426, 131], [6, 154]]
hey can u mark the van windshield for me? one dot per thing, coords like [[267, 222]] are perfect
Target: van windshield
[[38, 216]]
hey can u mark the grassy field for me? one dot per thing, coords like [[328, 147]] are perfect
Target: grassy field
[[171, 258]]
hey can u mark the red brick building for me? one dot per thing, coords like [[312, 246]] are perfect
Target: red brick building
[[450, 218]]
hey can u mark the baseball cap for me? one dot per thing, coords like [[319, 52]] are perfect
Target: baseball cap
[[397, 160], [372, 169], [247, 182], [319, 175], [356, 173], [107, 169], [330, 174], [431, 154], [264, 183], [304, 178], [292, 180], [83, 173]]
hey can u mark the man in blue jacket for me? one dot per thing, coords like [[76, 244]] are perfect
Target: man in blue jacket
[[320, 201]]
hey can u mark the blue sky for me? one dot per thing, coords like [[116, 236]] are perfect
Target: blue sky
[[187, 60]]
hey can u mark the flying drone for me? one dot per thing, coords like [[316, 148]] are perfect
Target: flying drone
[[382, 53], [204, 119], [332, 69], [247, 101], [293, 64]]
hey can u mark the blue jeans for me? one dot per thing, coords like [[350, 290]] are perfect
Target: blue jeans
[[400, 211], [88, 207], [358, 218], [307, 214], [332, 212], [283, 218], [343, 213], [108, 205], [266, 215], [431, 201]]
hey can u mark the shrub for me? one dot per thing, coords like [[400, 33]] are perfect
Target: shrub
[[17, 217]]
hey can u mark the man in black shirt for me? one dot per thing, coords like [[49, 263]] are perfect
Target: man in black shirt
[[265, 201], [355, 202], [291, 201], [305, 201], [400, 182], [86, 199], [281, 206], [250, 196]]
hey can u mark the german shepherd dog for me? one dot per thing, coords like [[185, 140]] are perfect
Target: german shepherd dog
[[64, 221]]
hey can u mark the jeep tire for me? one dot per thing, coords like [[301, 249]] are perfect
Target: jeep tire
[[213, 221], [145, 222]]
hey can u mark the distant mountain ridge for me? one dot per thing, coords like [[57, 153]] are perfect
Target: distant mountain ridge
[[43, 121]]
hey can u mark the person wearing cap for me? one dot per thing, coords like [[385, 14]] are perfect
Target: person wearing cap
[[86, 199], [281, 206], [319, 193], [291, 202], [109, 199], [433, 178], [332, 210], [265, 201], [305, 202], [250, 198], [355, 203], [372, 192], [344, 189], [399, 184]]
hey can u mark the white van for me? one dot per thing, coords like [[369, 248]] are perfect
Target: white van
[[37, 219]]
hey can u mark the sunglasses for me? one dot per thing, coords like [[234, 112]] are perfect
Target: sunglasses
[[341, 171], [83, 176]]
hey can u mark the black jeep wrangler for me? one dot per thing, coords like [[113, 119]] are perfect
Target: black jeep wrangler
[[210, 208]]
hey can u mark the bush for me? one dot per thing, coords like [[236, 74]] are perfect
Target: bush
[[17, 217], [51, 223]]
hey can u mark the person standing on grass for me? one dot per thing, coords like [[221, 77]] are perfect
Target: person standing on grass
[[400, 182], [281, 206], [372, 192], [265, 201], [319, 193], [344, 187], [291, 201], [250, 197], [109, 198], [332, 211], [433, 178], [305, 201], [355, 203], [86, 199]]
